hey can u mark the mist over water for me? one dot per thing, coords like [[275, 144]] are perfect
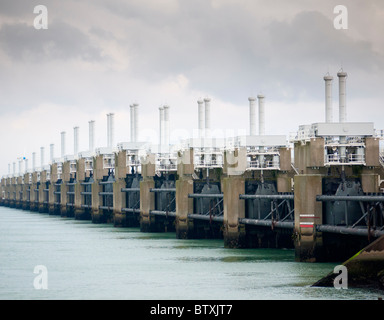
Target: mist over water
[[99, 261]]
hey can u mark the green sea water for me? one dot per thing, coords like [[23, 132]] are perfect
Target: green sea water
[[98, 261]]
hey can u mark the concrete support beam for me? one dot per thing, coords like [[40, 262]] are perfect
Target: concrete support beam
[[121, 165], [372, 151], [147, 198], [98, 173], [308, 213], [63, 199], [184, 205], [370, 183], [184, 186], [25, 198], [95, 211], [283, 182], [19, 190], [78, 211], [147, 203], [234, 209], [33, 198], [43, 180], [119, 201]]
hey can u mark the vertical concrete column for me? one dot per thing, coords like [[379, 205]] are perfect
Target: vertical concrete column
[[95, 210], [13, 192], [64, 212], [32, 197], [283, 182], [80, 177], [98, 173], [184, 186], [2, 192], [78, 211], [63, 199], [8, 191], [370, 182], [43, 179], [19, 189], [234, 209], [25, 204], [308, 213], [51, 195], [119, 198], [147, 198]]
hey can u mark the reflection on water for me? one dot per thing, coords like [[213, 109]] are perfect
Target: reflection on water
[[98, 261]]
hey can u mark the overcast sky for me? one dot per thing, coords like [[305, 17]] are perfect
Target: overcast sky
[[100, 56]]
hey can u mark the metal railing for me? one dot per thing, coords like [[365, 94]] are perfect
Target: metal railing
[[352, 158], [278, 216], [255, 164], [171, 201], [372, 213]]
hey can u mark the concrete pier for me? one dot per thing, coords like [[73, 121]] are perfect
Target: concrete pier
[[147, 198], [83, 174], [184, 187], [234, 209], [308, 213]]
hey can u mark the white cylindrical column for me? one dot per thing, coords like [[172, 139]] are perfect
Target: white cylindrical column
[[342, 96], [166, 125], [20, 161], [41, 158], [33, 161], [132, 118], [26, 165], [9, 168], [62, 144], [112, 129], [14, 168], [328, 98], [108, 130], [161, 126], [75, 141], [261, 114], [136, 121], [91, 125], [201, 116], [252, 116], [51, 152], [207, 117]]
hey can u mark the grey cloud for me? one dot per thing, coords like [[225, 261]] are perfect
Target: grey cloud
[[60, 41]]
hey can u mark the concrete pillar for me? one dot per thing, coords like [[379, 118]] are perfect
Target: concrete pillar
[[95, 211], [26, 186], [147, 198], [372, 152], [98, 173], [184, 205], [32, 198], [63, 199], [52, 188], [2, 192], [308, 213], [78, 211], [370, 182], [184, 186], [19, 190], [234, 208], [8, 191], [43, 179], [12, 192], [119, 198]]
